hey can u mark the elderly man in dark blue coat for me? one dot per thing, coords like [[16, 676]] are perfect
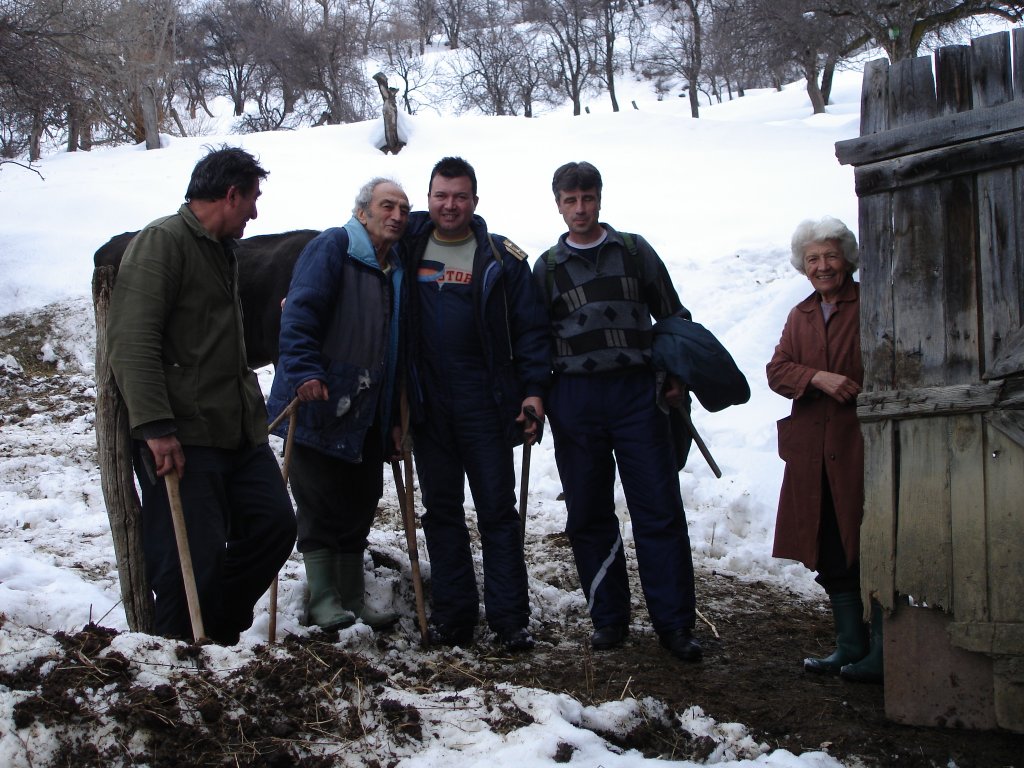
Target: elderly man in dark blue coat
[[339, 356]]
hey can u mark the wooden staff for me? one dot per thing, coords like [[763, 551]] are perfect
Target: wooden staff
[[293, 411], [407, 502], [184, 555]]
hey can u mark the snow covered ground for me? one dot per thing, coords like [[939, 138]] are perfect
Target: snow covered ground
[[718, 198]]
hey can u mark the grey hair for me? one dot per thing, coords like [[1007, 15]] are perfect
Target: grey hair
[[827, 228], [365, 194]]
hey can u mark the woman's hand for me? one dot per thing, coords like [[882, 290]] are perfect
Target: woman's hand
[[836, 386]]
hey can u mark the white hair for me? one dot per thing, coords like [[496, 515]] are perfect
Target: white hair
[[826, 229], [365, 195]]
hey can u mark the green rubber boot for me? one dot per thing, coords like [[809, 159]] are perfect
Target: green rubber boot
[[868, 669], [326, 609], [851, 635], [351, 581]]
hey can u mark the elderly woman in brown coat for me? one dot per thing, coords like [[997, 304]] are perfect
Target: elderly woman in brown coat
[[817, 364]]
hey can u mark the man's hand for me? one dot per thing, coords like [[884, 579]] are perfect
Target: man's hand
[[675, 392], [314, 389], [836, 386], [531, 427], [167, 455], [396, 444]]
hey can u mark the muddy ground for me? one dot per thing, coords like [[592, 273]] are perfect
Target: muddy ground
[[275, 710]]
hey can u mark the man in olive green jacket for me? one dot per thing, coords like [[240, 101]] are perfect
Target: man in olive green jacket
[[177, 350]]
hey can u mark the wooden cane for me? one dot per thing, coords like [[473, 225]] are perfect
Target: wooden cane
[[407, 502], [293, 406], [185, 555], [288, 409], [524, 490]]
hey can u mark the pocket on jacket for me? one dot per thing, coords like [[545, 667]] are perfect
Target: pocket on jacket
[[182, 390], [787, 449]]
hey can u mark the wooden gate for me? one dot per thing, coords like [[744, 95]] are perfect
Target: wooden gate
[[939, 171]]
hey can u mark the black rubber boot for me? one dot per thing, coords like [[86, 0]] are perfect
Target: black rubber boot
[[851, 635], [868, 669]]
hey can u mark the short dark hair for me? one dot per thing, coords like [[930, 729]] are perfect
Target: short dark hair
[[222, 169], [453, 168], [576, 176]]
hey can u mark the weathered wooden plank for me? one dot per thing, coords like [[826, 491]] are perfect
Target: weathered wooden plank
[[954, 399], [1003, 638], [918, 286], [959, 270], [1010, 423], [911, 92], [1018, 63], [114, 455], [970, 157], [944, 131], [923, 532], [1011, 356], [1000, 240], [878, 529], [876, 328], [967, 519], [953, 79], [991, 79], [874, 97], [1004, 502]]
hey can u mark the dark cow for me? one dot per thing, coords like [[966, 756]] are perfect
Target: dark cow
[[265, 264]]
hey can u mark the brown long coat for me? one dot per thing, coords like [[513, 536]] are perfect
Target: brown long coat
[[819, 431]]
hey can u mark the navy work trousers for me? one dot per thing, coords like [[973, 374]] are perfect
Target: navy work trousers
[[337, 500], [463, 438], [241, 530], [597, 420]]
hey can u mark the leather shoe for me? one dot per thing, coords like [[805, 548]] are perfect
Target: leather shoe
[[682, 644], [516, 640], [442, 634], [608, 637]]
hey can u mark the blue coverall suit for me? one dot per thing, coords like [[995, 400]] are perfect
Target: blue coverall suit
[[603, 410], [477, 351]]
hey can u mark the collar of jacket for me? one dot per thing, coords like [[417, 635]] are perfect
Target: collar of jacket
[[193, 223], [564, 250], [361, 249], [849, 292]]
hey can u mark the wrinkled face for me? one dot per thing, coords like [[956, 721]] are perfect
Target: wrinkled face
[[386, 216], [240, 208], [451, 206], [580, 209], [826, 267]]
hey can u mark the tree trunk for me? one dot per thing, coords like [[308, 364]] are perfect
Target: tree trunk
[[114, 455], [813, 90], [35, 139], [694, 95], [150, 117], [827, 76]]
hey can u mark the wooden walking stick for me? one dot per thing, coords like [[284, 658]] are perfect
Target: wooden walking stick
[[407, 503], [524, 481], [184, 555], [293, 410]]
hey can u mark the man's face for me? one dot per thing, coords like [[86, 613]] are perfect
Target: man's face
[[451, 206], [580, 209], [239, 209], [387, 215]]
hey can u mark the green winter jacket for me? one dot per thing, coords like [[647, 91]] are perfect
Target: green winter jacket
[[175, 339]]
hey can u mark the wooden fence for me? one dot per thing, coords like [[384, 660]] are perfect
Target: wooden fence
[[939, 170]]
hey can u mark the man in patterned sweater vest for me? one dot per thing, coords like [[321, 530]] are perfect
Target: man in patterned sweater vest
[[606, 406]]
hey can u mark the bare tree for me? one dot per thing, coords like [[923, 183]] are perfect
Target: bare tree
[[573, 36], [678, 46], [453, 14], [230, 47], [901, 27]]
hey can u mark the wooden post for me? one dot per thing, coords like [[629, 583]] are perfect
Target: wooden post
[[114, 453]]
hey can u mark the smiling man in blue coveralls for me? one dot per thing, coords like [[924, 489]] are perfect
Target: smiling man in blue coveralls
[[480, 356]]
